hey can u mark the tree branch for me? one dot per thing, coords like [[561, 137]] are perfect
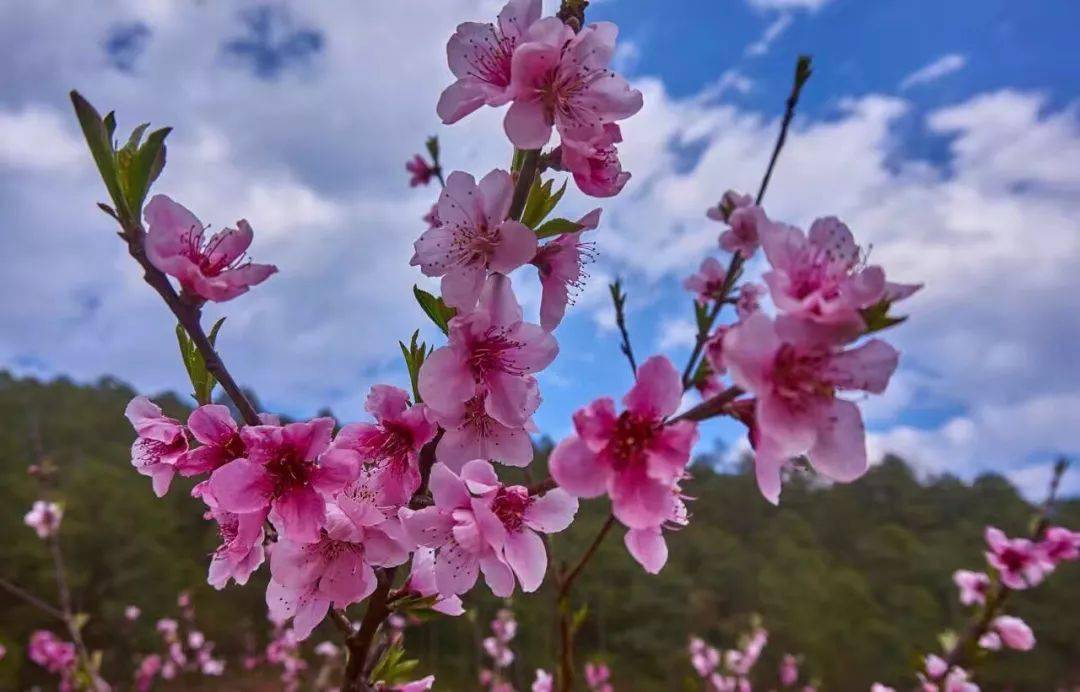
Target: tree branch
[[530, 164], [618, 298], [39, 603]]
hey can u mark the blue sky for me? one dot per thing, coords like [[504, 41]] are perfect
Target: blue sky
[[945, 134]]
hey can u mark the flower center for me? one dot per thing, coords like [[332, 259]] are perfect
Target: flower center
[[798, 375], [494, 353], [509, 506], [633, 434], [289, 471]]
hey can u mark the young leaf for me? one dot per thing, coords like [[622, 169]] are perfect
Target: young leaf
[[877, 317], [439, 312], [98, 134], [414, 355], [432, 144], [558, 227]]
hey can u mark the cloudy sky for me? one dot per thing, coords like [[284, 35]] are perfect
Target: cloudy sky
[[947, 135]]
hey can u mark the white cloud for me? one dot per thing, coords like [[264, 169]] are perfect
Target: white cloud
[[35, 138], [943, 66], [772, 32], [811, 5], [676, 333]]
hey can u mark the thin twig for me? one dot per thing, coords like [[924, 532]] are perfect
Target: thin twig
[[30, 598], [802, 73], [618, 298], [710, 408], [530, 163], [66, 605]]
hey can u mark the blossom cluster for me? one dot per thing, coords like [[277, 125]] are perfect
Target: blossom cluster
[[795, 364], [185, 649], [729, 671]]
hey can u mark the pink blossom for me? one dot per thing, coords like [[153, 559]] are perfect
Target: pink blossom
[[504, 626], [633, 456], [471, 433], [821, 276], [714, 351], [789, 670], [708, 282], [44, 518], [728, 203], [392, 444], [647, 545], [132, 613], [747, 224], [50, 652], [213, 427], [878, 687], [973, 586], [480, 57], [422, 582], [598, 677], [421, 685], [473, 237], [241, 551], [328, 649], [420, 171], [990, 641], [935, 666], [562, 79], [209, 269], [1014, 632], [309, 578], [160, 445], [595, 163], [286, 473], [490, 351], [1058, 545], [749, 300], [432, 217], [167, 628], [561, 264], [741, 661], [703, 657], [795, 379], [478, 524], [958, 680], [149, 668], [501, 655], [1015, 559], [543, 682]]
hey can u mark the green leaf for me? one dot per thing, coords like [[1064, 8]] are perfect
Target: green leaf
[[98, 134], [202, 381], [579, 617], [558, 227], [432, 145], [146, 167], [435, 308], [414, 355], [541, 202], [877, 317]]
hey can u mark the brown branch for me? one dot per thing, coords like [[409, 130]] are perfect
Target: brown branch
[[710, 408], [39, 603], [189, 315]]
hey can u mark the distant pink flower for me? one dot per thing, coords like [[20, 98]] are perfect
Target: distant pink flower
[[392, 444], [742, 661], [480, 57], [703, 657], [160, 445], [973, 586], [500, 654], [598, 677], [432, 217], [820, 276], [132, 613], [747, 223], [477, 524], [241, 551], [595, 163], [543, 682], [1014, 632], [990, 641], [958, 680], [422, 581], [935, 666], [1015, 559], [167, 628], [286, 473], [633, 456], [647, 544], [749, 300], [44, 518], [50, 652], [473, 237], [878, 687], [208, 268], [1058, 545], [504, 626], [561, 264], [213, 427], [795, 380], [309, 578], [789, 670], [728, 203], [422, 685], [149, 668], [420, 171], [471, 433], [491, 350], [708, 282], [714, 350], [562, 79]]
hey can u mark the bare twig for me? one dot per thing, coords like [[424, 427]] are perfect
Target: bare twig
[[618, 298], [40, 604]]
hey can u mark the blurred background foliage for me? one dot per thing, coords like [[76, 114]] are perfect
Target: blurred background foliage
[[857, 577]]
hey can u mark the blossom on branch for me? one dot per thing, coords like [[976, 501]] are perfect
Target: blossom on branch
[[44, 518], [161, 443]]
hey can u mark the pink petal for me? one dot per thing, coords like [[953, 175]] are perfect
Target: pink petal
[[480, 472], [551, 512], [750, 350], [461, 286], [336, 468], [496, 192], [455, 570], [658, 390], [537, 350], [794, 429], [526, 123], [386, 402], [447, 489], [638, 501], [310, 611], [161, 478], [769, 461], [669, 453], [867, 367], [347, 579], [296, 565], [648, 547], [445, 380], [840, 450], [311, 438], [497, 300], [241, 486], [511, 399], [517, 245], [527, 556], [498, 576], [231, 243], [429, 527], [595, 423], [553, 301], [577, 469], [212, 424], [281, 602], [298, 514], [459, 99]]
